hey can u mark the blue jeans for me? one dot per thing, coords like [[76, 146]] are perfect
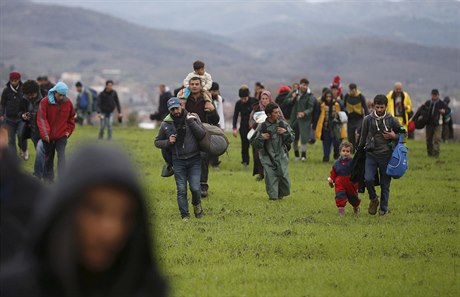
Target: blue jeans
[[14, 128], [39, 165], [187, 170], [372, 164], [328, 140], [50, 149], [107, 121]]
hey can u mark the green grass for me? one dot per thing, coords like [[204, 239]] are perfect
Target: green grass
[[247, 245]]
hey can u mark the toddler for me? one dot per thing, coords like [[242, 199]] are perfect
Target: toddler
[[206, 83], [345, 189]]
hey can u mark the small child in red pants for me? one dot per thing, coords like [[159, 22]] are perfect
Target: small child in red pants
[[345, 189]]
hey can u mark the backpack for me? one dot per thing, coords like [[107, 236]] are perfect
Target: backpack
[[398, 163], [215, 142]]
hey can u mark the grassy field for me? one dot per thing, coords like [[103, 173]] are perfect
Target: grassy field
[[247, 245]]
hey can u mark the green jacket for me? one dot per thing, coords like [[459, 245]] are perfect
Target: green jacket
[[304, 103]]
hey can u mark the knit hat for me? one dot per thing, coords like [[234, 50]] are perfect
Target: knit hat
[[243, 92], [284, 89], [15, 75], [61, 88], [214, 87], [336, 79]]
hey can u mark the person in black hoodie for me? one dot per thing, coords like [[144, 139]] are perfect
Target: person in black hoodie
[[91, 237], [19, 195], [106, 103], [9, 112]]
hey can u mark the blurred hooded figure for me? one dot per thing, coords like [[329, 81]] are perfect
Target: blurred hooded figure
[[91, 237]]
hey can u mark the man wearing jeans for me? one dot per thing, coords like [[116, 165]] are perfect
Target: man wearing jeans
[[106, 103], [180, 132], [55, 120], [379, 131]]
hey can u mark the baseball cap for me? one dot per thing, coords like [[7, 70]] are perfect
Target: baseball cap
[[173, 102]]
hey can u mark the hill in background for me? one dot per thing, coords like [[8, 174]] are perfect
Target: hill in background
[[313, 40]]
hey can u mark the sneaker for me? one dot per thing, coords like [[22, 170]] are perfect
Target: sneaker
[[297, 158], [356, 210], [204, 193], [373, 204], [198, 211], [185, 218], [272, 199], [245, 165], [341, 211], [303, 159], [259, 177]]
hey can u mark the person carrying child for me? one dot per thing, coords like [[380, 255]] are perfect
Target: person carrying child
[[345, 189]]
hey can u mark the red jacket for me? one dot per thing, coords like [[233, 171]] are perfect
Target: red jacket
[[56, 120]]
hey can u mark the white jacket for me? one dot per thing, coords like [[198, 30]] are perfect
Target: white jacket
[[206, 80]]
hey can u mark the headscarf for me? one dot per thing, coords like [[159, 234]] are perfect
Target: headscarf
[[61, 88], [265, 92]]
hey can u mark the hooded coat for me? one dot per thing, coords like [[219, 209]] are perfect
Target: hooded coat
[[50, 266], [273, 156], [304, 103]]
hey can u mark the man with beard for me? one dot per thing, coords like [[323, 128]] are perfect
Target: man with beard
[[378, 133], [196, 103], [180, 132]]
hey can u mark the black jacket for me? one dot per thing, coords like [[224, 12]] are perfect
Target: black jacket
[[197, 106], [32, 108], [11, 101], [50, 266], [433, 109], [243, 109], [107, 101]]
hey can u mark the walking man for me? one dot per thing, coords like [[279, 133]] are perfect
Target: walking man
[[55, 120], [84, 104], [379, 131], [437, 109], [107, 101], [181, 134]]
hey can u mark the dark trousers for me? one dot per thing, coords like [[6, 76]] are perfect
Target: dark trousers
[[373, 164], [352, 127], [433, 140], [50, 149], [204, 171], [329, 141], [244, 145], [258, 168], [14, 128]]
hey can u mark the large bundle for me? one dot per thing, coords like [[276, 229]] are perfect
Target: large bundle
[[215, 142]]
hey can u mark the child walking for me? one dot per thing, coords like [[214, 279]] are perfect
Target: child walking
[[345, 189]]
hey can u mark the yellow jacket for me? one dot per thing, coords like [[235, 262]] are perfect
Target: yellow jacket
[[322, 115], [407, 107]]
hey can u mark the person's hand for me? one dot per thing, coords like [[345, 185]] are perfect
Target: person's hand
[[300, 114], [100, 115], [442, 111], [389, 135], [46, 138], [26, 116], [266, 136], [208, 106], [330, 182], [281, 130], [294, 95], [67, 134], [235, 132], [172, 139], [190, 118]]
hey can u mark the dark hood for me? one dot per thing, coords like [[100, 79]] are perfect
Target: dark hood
[[54, 242]]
